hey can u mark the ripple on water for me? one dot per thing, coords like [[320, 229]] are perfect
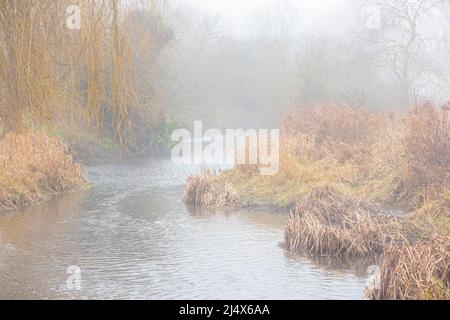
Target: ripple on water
[[133, 238]]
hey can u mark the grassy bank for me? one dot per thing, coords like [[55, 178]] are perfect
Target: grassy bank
[[35, 167], [396, 160], [341, 170]]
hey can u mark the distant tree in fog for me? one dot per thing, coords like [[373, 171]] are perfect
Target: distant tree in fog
[[408, 42]]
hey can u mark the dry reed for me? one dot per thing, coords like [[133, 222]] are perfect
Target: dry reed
[[397, 161], [415, 272], [34, 167], [326, 222], [204, 191]]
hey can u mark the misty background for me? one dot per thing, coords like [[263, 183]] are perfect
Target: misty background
[[245, 63]]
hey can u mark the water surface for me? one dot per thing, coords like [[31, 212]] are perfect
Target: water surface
[[132, 237]]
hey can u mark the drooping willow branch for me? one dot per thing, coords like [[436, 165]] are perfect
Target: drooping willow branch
[[47, 70]]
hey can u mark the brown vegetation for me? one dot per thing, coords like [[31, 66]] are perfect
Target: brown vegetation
[[90, 79], [411, 160], [397, 160], [204, 191], [92, 84], [33, 167], [419, 272], [326, 222], [332, 155]]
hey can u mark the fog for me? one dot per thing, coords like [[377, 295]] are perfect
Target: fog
[[241, 18], [245, 63], [192, 136]]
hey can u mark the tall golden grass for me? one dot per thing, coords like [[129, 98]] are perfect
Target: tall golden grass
[[33, 167]]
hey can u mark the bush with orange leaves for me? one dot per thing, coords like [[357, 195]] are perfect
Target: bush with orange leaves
[[34, 167]]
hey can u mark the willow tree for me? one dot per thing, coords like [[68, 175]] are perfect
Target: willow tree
[[48, 71], [28, 81]]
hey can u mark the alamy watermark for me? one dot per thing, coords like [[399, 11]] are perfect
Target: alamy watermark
[[236, 147], [73, 17], [374, 279], [73, 281], [373, 18]]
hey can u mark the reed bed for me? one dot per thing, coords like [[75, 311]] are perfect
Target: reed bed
[[33, 167], [204, 191], [326, 222], [332, 155], [415, 272]]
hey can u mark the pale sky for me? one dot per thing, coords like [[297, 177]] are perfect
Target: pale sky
[[328, 16]]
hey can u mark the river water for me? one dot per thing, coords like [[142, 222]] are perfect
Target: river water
[[130, 236]]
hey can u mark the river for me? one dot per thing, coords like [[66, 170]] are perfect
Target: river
[[131, 237]]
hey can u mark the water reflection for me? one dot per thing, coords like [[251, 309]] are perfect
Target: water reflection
[[339, 265]]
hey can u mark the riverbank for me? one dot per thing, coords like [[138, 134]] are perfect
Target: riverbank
[[34, 168], [39, 164], [340, 165], [135, 208]]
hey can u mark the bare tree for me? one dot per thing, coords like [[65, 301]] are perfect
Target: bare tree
[[406, 43]]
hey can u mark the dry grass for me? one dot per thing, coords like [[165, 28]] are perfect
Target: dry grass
[[338, 123], [415, 272], [321, 145], [431, 218], [411, 159], [395, 160], [326, 222], [204, 191], [331, 155], [34, 167]]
